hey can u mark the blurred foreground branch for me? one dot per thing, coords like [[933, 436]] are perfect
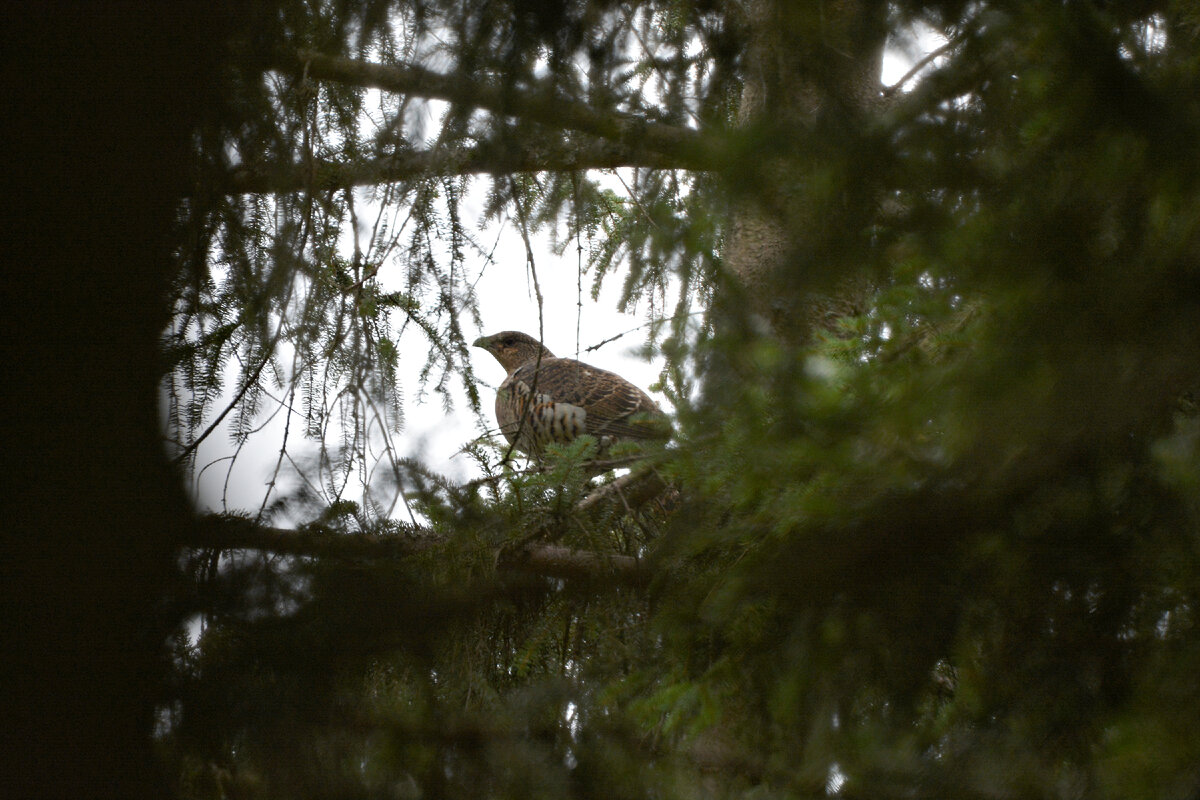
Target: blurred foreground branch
[[531, 557]]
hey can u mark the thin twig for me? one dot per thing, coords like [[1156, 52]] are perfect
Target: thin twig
[[270, 351], [612, 339], [888, 91]]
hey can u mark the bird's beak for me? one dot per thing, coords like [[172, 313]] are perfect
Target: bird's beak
[[482, 341]]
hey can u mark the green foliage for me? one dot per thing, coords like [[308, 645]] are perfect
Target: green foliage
[[933, 528], [949, 547]]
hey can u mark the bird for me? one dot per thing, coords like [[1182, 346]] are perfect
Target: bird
[[545, 399]]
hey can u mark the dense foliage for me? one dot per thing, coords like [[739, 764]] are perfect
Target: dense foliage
[[948, 547]]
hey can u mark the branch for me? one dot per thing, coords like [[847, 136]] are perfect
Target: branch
[[224, 532], [235, 533], [268, 353], [410, 166], [543, 105], [632, 490], [888, 91], [536, 552], [562, 562]]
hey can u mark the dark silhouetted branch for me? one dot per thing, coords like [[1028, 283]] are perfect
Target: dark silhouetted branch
[[235, 533], [534, 104], [402, 167]]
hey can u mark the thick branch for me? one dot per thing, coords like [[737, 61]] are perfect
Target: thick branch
[[632, 490], [563, 562], [232, 533], [410, 166], [541, 105]]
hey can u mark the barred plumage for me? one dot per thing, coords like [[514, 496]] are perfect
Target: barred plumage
[[548, 399]]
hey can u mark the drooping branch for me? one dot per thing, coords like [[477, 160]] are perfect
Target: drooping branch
[[533, 104], [402, 167]]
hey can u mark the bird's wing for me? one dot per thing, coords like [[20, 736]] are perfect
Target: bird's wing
[[577, 398]]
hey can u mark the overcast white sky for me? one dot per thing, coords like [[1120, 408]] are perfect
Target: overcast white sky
[[507, 301]]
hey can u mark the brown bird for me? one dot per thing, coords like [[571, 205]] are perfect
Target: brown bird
[[548, 399]]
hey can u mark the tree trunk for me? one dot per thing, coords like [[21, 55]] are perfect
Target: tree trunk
[[806, 64], [92, 510]]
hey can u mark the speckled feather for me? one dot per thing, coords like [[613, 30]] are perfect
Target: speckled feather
[[558, 399]]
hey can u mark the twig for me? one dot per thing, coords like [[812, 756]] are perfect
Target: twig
[[888, 91], [612, 339], [270, 351]]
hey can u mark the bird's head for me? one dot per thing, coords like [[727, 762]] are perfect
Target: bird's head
[[512, 348]]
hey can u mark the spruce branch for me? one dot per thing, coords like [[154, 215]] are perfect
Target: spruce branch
[[247, 384], [222, 532], [409, 166], [538, 104], [225, 532]]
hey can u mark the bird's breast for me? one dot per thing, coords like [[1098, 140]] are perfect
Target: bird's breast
[[536, 419]]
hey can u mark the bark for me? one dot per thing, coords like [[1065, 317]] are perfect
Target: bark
[[803, 61]]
